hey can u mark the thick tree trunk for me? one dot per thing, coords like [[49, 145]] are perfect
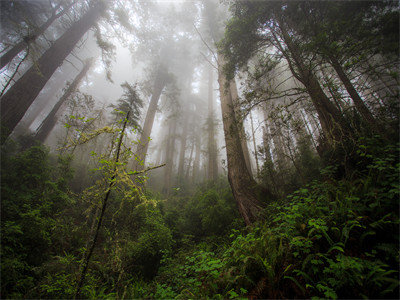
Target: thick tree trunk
[[50, 121], [20, 96], [45, 98], [240, 179], [212, 149], [243, 139], [10, 54], [141, 151]]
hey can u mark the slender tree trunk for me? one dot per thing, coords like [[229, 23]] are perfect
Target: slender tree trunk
[[254, 144], [196, 163], [86, 261], [10, 54], [267, 148], [279, 148], [159, 156], [332, 121], [50, 121], [183, 148], [20, 96], [169, 157], [141, 151], [190, 160], [240, 179], [308, 130], [43, 100], [358, 102], [212, 149]]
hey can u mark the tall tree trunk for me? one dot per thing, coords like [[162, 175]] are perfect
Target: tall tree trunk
[[332, 122], [212, 149], [190, 160], [50, 121], [183, 148], [279, 148], [308, 130], [243, 139], [254, 144], [169, 156], [141, 151], [10, 54], [44, 98], [358, 102], [267, 148], [197, 157], [20, 96], [240, 179]]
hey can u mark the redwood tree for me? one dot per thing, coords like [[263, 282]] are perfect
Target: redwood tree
[[141, 151], [27, 40], [20, 96], [51, 119]]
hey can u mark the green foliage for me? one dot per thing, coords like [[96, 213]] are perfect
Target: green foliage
[[333, 238], [130, 101], [211, 211], [144, 249], [285, 178], [330, 239], [33, 199]]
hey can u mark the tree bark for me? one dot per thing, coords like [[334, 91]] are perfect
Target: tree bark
[[267, 148], [332, 122], [183, 148], [212, 149], [190, 160], [10, 54], [240, 179], [358, 102], [169, 156], [254, 144], [243, 139], [197, 157], [50, 121], [44, 99], [141, 151], [20, 96]]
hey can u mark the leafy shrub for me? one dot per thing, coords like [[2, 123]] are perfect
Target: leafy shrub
[[33, 198]]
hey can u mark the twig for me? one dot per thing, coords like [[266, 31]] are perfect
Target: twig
[[205, 57], [103, 209], [212, 52], [15, 72], [148, 169]]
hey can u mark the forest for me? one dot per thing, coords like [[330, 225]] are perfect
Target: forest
[[199, 149]]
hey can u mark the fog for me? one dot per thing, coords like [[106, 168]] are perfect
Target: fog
[[199, 149], [166, 51], [128, 45]]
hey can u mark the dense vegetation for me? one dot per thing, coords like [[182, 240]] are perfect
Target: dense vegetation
[[333, 238], [312, 211]]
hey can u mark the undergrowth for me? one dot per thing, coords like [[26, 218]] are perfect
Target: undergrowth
[[333, 238]]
